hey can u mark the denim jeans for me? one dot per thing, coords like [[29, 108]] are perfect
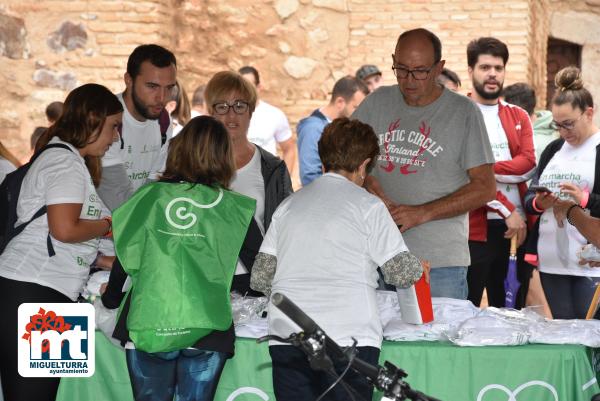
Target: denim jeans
[[449, 282], [189, 374]]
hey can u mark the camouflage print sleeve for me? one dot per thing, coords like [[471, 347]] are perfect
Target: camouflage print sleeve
[[263, 272], [403, 270]]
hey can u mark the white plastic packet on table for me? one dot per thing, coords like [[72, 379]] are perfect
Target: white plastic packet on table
[[247, 315], [584, 332], [106, 319], [92, 287], [493, 326], [254, 329], [448, 313], [387, 304]]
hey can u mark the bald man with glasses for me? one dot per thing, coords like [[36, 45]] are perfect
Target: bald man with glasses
[[436, 162]]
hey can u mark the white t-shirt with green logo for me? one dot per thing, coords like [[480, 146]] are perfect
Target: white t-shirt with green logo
[[557, 247], [57, 176], [425, 154], [501, 152], [142, 153]]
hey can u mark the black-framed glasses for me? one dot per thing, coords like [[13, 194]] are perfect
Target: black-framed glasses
[[418, 74], [566, 125], [238, 106]]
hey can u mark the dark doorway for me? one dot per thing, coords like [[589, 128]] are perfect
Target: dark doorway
[[560, 54]]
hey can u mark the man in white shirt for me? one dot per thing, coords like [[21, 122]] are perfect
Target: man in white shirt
[[510, 134], [149, 84], [269, 126]]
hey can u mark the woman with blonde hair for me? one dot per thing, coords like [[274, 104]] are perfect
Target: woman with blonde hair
[[49, 260], [231, 99], [179, 239], [569, 168]]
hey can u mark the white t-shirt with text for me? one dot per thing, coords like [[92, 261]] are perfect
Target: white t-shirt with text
[[557, 247], [57, 176], [142, 155], [499, 144]]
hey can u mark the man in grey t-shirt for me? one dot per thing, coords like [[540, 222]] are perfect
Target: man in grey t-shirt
[[435, 163]]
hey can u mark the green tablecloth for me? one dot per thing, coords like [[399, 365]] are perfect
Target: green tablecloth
[[527, 373]]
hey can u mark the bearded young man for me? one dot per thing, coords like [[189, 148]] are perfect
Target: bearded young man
[[149, 84], [511, 136]]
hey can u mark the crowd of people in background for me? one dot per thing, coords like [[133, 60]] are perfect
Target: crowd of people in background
[[399, 182]]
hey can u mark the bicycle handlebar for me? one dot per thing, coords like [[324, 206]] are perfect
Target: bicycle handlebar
[[387, 379]]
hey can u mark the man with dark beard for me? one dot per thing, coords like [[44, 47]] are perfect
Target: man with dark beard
[[511, 137], [149, 84]]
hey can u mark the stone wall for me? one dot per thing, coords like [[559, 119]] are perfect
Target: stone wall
[[300, 47], [65, 44]]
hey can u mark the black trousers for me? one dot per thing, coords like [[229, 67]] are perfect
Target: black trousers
[[16, 388], [489, 264], [569, 297], [294, 380]]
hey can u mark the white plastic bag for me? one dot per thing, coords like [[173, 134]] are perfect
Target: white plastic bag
[[248, 315], [493, 326], [106, 319], [585, 332]]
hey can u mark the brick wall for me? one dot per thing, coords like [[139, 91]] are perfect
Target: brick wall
[[537, 41]]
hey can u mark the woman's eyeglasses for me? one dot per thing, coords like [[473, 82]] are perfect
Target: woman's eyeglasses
[[238, 106], [566, 125]]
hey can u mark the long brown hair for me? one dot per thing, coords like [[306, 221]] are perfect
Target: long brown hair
[[84, 113], [183, 110], [5, 153], [201, 153]]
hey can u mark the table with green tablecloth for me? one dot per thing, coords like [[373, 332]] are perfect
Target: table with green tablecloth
[[534, 372]]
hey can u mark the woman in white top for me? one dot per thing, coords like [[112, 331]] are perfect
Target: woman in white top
[[231, 99], [322, 251], [64, 180], [8, 162], [569, 168]]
